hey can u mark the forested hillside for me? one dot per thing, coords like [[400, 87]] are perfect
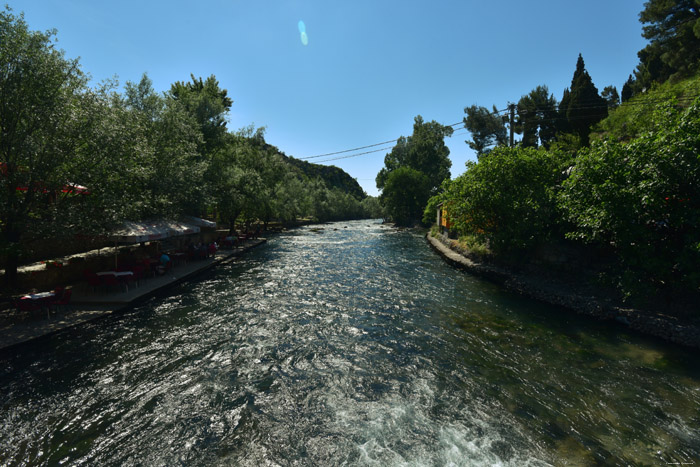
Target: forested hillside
[[333, 176]]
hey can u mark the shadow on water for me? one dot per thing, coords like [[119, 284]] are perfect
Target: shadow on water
[[349, 344]]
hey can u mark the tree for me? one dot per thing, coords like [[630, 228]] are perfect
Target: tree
[[173, 181], [584, 107], [234, 182], [611, 96], [425, 154], [628, 89], [372, 207], [405, 194], [537, 118], [424, 151], [487, 129], [142, 98], [208, 104], [45, 115], [507, 198], [673, 30]]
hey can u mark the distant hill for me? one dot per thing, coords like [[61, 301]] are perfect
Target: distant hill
[[332, 175]]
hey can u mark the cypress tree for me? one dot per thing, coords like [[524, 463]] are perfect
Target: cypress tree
[[628, 89], [585, 106]]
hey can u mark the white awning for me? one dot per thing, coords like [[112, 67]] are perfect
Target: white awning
[[136, 232], [200, 222]]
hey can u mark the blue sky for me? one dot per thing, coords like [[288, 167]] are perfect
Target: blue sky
[[368, 68]]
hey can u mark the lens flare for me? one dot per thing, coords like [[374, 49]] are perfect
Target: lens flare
[[302, 27], [304, 38]]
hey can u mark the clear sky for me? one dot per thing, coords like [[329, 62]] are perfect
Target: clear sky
[[363, 69]]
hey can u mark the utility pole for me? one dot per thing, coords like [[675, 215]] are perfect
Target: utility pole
[[511, 122]]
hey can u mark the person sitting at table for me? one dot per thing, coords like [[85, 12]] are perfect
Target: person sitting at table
[[211, 249], [164, 263]]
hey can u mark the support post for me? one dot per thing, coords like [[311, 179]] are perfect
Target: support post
[[511, 122]]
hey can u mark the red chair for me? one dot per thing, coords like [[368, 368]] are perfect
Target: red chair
[[31, 305], [138, 273], [109, 280], [63, 300], [127, 280], [92, 279], [27, 304], [149, 267]]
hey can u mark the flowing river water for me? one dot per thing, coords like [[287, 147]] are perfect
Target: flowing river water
[[352, 345]]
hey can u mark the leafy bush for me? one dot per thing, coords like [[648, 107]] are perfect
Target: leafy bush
[[405, 193], [643, 198], [506, 199]]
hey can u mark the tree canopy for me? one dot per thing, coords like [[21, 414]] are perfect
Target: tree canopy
[[582, 106], [422, 161], [537, 118], [673, 30], [487, 128], [424, 151]]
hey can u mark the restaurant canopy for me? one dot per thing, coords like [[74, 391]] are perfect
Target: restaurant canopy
[[147, 231], [199, 222]]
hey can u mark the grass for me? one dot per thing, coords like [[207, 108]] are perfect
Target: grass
[[472, 244]]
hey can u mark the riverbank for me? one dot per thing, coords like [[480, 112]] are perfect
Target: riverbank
[[579, 298], [89, 305]]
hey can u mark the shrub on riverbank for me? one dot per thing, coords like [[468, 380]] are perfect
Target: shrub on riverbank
[[507, 198], [643, 198], [640, 200]]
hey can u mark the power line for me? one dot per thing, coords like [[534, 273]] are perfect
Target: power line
[[356, 155], [636, 102], [461, 122], [349, 150]]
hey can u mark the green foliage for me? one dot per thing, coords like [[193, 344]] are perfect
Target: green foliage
[[583, 106], [172, 177], [424, 151], [627, 89], [611, 96], [507, 198], [430, 211], [405, 193], [43, 119], [208, 104], [537, 118], [487, 129], [673, 31], [414, 170], [636, 115], [434, 231], [643, 199], [140, 155], [373, 207], [333, 176], [474, 244]]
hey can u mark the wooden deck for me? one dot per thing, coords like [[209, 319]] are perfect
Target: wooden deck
[[88, 305]]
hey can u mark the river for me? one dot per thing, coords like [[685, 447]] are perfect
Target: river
[[351, 345]]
